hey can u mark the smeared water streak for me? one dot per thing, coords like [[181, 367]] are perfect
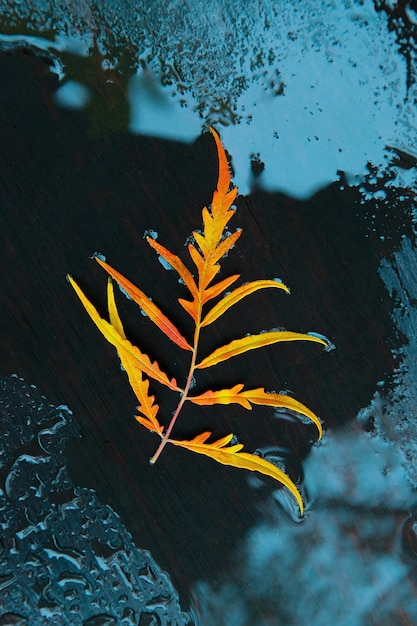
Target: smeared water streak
[[65, 558]]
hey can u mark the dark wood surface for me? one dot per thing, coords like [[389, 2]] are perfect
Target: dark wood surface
[[67, 192]]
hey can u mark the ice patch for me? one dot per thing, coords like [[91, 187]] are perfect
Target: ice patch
[[155, 111], [310, 88]]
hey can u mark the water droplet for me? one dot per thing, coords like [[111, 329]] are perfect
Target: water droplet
[[150, 233], [99, 255], [124, 292], [164, 263], [329, 347]]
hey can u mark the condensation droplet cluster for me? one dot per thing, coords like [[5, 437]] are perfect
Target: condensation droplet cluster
[[65, 559]]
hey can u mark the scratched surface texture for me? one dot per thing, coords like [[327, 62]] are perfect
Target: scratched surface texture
[[70, 188]]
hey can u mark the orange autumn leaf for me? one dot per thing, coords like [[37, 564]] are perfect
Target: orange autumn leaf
[[148, 307], [226, 454], [207, 249]]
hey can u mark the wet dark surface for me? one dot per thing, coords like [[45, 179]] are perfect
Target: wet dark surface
[[67, 192]]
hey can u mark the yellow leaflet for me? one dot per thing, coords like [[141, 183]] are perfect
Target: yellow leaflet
[[214, 227], [140, 387], [251, 342], [259, 396], [232, 455], [279, 400], [202, 242], [110, 333], [213, 232], [115, 320], [196, 257], [238, 294], [151, 310], [206, 270]]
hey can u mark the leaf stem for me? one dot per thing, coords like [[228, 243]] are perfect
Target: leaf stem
[[168, 431]]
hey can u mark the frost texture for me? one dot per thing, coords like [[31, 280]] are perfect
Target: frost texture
[[65, 558], [399, 414]]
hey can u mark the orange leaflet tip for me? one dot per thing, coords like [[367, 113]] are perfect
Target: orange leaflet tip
[[152, 425]]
